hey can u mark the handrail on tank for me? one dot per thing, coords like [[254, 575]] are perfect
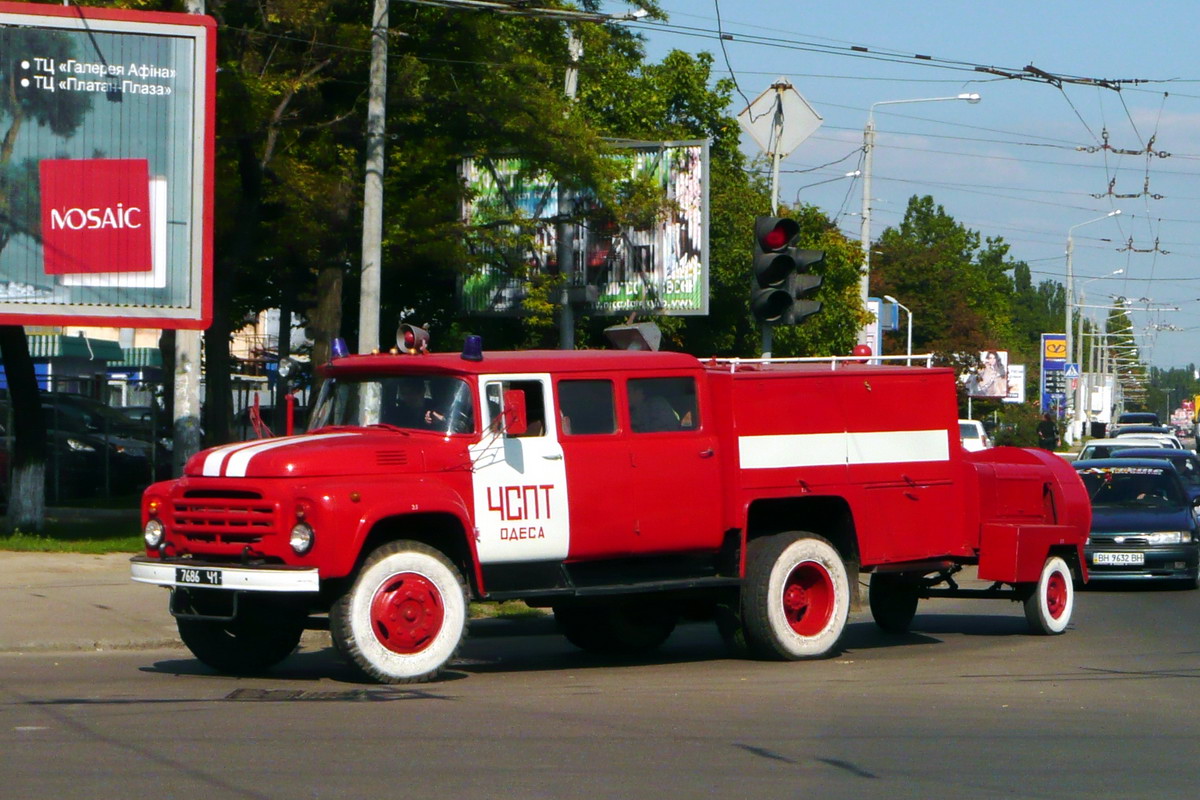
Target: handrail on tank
[[833, 361]]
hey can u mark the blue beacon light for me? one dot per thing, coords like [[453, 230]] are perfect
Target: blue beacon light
[[472, 348]]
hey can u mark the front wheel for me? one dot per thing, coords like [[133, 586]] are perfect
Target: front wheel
[[795, 599], [257, 639], [1048, 609], [404, 617]]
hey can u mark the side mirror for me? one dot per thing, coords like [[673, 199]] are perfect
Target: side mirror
[[515, 420]]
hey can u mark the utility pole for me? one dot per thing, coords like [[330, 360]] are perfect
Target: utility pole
[[372, 236], [185, 421], [564, 231]]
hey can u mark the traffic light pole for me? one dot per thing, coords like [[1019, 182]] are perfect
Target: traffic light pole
[[768, 331], [564, 244]]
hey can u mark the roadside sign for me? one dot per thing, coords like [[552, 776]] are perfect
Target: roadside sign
[[781, 104], [1071, 370]]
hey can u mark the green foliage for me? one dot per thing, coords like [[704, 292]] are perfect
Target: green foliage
[[60, 536], [1016, 425]]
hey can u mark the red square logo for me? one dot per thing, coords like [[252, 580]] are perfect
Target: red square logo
[[95, 215]]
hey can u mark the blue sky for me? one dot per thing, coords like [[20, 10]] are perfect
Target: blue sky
[[1025, 162]]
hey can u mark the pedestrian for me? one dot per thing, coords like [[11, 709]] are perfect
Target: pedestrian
[[1047, 433]]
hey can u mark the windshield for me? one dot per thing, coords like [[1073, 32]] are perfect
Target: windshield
[[1132, 487], [438, 404], [966, 431]]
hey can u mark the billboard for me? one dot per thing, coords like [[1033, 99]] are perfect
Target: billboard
[[662, 268], [106, 173], [991, 379], [1016, 384]]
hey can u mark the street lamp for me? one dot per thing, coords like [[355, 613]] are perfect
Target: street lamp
[[868, 149], [908, 311], [1090, 378], [853, 174], [1068, 302]]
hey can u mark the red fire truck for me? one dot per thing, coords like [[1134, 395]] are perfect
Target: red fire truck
[[624, 490]]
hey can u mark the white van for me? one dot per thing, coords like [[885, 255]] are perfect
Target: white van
[[972, 435]]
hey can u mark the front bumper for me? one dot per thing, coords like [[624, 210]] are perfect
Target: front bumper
[[193, 574], [1167, 562]]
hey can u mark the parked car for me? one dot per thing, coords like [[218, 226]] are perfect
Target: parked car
[[1143, 525], [972, 435], [1170, 439], [74, 462], [1186, 463], [1130, 430], [134, 442], [124, 464], [1135, 418], [1104, 448]]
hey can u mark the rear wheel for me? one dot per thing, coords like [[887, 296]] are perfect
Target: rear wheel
[[893, 600], [795, 599], [617, 628], [404, 617], [258, 638], [1048, 609]]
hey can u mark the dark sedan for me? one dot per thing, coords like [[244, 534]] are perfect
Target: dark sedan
[[1186, 462], [1143, 524]]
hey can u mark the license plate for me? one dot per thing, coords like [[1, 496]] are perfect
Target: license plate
[[198, 577], [1121, 559]]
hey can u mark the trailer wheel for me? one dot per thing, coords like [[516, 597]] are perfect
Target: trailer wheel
[[404, 617], [1048, 608], [622, 629], [893, 600], [795, 599], [251, 643]]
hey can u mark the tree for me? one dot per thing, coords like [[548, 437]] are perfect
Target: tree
[[61, 113], [957, 290]]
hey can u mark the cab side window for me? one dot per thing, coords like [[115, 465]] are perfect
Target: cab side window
[[586, 407], [535, 406], [662, 404]]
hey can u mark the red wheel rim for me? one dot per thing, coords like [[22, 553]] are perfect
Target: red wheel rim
[[1056, 595], [407, 613], [808, 598]]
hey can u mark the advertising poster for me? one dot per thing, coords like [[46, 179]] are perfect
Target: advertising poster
[[991, 379], [105, 173], [663, 268], [1016, 384]]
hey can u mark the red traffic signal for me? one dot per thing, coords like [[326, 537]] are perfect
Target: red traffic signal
[[776, 289]]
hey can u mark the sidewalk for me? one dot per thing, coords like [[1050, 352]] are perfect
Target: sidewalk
[[68, 601]]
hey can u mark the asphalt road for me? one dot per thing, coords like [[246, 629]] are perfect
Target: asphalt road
[[967, 705]]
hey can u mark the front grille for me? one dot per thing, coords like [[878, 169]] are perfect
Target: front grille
[[1126, 539], [235, 518]]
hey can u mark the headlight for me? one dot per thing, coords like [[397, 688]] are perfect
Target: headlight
[[302, 538], [1169, 537], [153, 533], [80, 447]]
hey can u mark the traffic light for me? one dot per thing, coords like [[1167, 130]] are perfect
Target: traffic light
[[781, 281]]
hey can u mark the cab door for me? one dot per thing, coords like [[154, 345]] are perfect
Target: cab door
[[519, 479]]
